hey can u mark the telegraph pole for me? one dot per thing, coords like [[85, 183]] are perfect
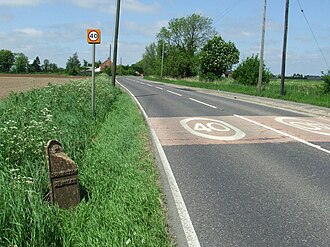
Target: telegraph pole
[[261, 66], [285, 39], [110, 53], [162, 65], [114, 62]]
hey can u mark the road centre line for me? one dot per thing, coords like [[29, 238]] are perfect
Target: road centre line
[[285, 134], [149, 85], [160, 88], [180, 95], [203, 103]]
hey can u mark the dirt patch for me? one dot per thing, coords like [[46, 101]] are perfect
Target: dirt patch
[[23, 83]]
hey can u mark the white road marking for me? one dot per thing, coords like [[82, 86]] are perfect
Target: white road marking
[[160, 88], [188, 228], [212, 126], [177, 94], [285, 134], [304, 124], [149, 85], [203, 103]]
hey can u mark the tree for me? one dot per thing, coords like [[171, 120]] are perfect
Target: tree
[[149, 60], [7, 60], [216, 57], [21, 63], [35, 66], [184, 37], [53, 67], [73, 65], [247, 72], [45, 66]]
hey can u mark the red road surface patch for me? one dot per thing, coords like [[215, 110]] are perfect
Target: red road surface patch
[[233, 130]]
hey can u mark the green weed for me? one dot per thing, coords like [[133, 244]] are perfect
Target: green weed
[[122, 205], [303, 91]]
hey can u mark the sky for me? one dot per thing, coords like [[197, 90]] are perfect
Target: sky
[[55, 29]]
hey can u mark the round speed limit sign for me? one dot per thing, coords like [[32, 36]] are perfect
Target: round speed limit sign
[[94, 36]]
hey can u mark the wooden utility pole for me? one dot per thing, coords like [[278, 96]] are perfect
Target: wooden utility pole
[[114, 62], [162, 65], [261, 66], [285, 39]]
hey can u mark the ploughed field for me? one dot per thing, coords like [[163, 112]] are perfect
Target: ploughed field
[[22, 83]]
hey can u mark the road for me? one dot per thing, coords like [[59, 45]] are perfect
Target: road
[[248, 174]]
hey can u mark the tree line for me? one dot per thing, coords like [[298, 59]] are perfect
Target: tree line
[[189, 47], [19, 63]]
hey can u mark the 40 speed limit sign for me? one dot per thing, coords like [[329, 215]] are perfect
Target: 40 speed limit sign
[[93, 36]]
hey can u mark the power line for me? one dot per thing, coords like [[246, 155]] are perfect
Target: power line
[[310, 28], [229, 9]]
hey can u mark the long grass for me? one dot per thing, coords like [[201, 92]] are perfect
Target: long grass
[[303, 91], [122, 204]]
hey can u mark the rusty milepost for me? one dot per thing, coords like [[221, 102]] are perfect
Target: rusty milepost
[[63, 176]]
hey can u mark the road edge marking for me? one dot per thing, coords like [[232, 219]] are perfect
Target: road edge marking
[[285, 134], [188, 228]]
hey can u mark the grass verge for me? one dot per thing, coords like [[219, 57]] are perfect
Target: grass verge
[[303, 91], [124, 203]]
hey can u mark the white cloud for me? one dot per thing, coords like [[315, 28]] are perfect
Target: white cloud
[[137, 6], [145, 30], [110, 7], [29, 32], [20, 2]]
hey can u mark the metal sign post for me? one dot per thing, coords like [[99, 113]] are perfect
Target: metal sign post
[[93, 80], [93, 37]]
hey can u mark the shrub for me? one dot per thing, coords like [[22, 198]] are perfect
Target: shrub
[[108, 70], [247, 73], [326, 82]]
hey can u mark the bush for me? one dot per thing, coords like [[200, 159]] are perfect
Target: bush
[[247, 73], [326, 82], [108, 70]]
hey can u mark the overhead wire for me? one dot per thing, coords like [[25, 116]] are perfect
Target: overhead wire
[[229, 9], [313, 34]]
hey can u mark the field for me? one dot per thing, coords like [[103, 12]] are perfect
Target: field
[[122, 204], [22, 83]]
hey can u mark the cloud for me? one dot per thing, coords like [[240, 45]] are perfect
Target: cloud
[[6, 16], [110, 7], [29, 33], [145, 30], [137, 6], [14, 3]]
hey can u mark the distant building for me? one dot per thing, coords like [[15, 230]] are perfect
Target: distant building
[[105, 64]]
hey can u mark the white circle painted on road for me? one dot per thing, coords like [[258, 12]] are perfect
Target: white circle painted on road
[[212, 129], [307, 125]]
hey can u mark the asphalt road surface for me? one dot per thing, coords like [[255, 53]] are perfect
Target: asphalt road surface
[[249, 175]]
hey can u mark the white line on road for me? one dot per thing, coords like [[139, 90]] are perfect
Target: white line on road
[[149, 85], [177, 94], [203, 103], [188, 228], [160, 88], [285, 134]]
